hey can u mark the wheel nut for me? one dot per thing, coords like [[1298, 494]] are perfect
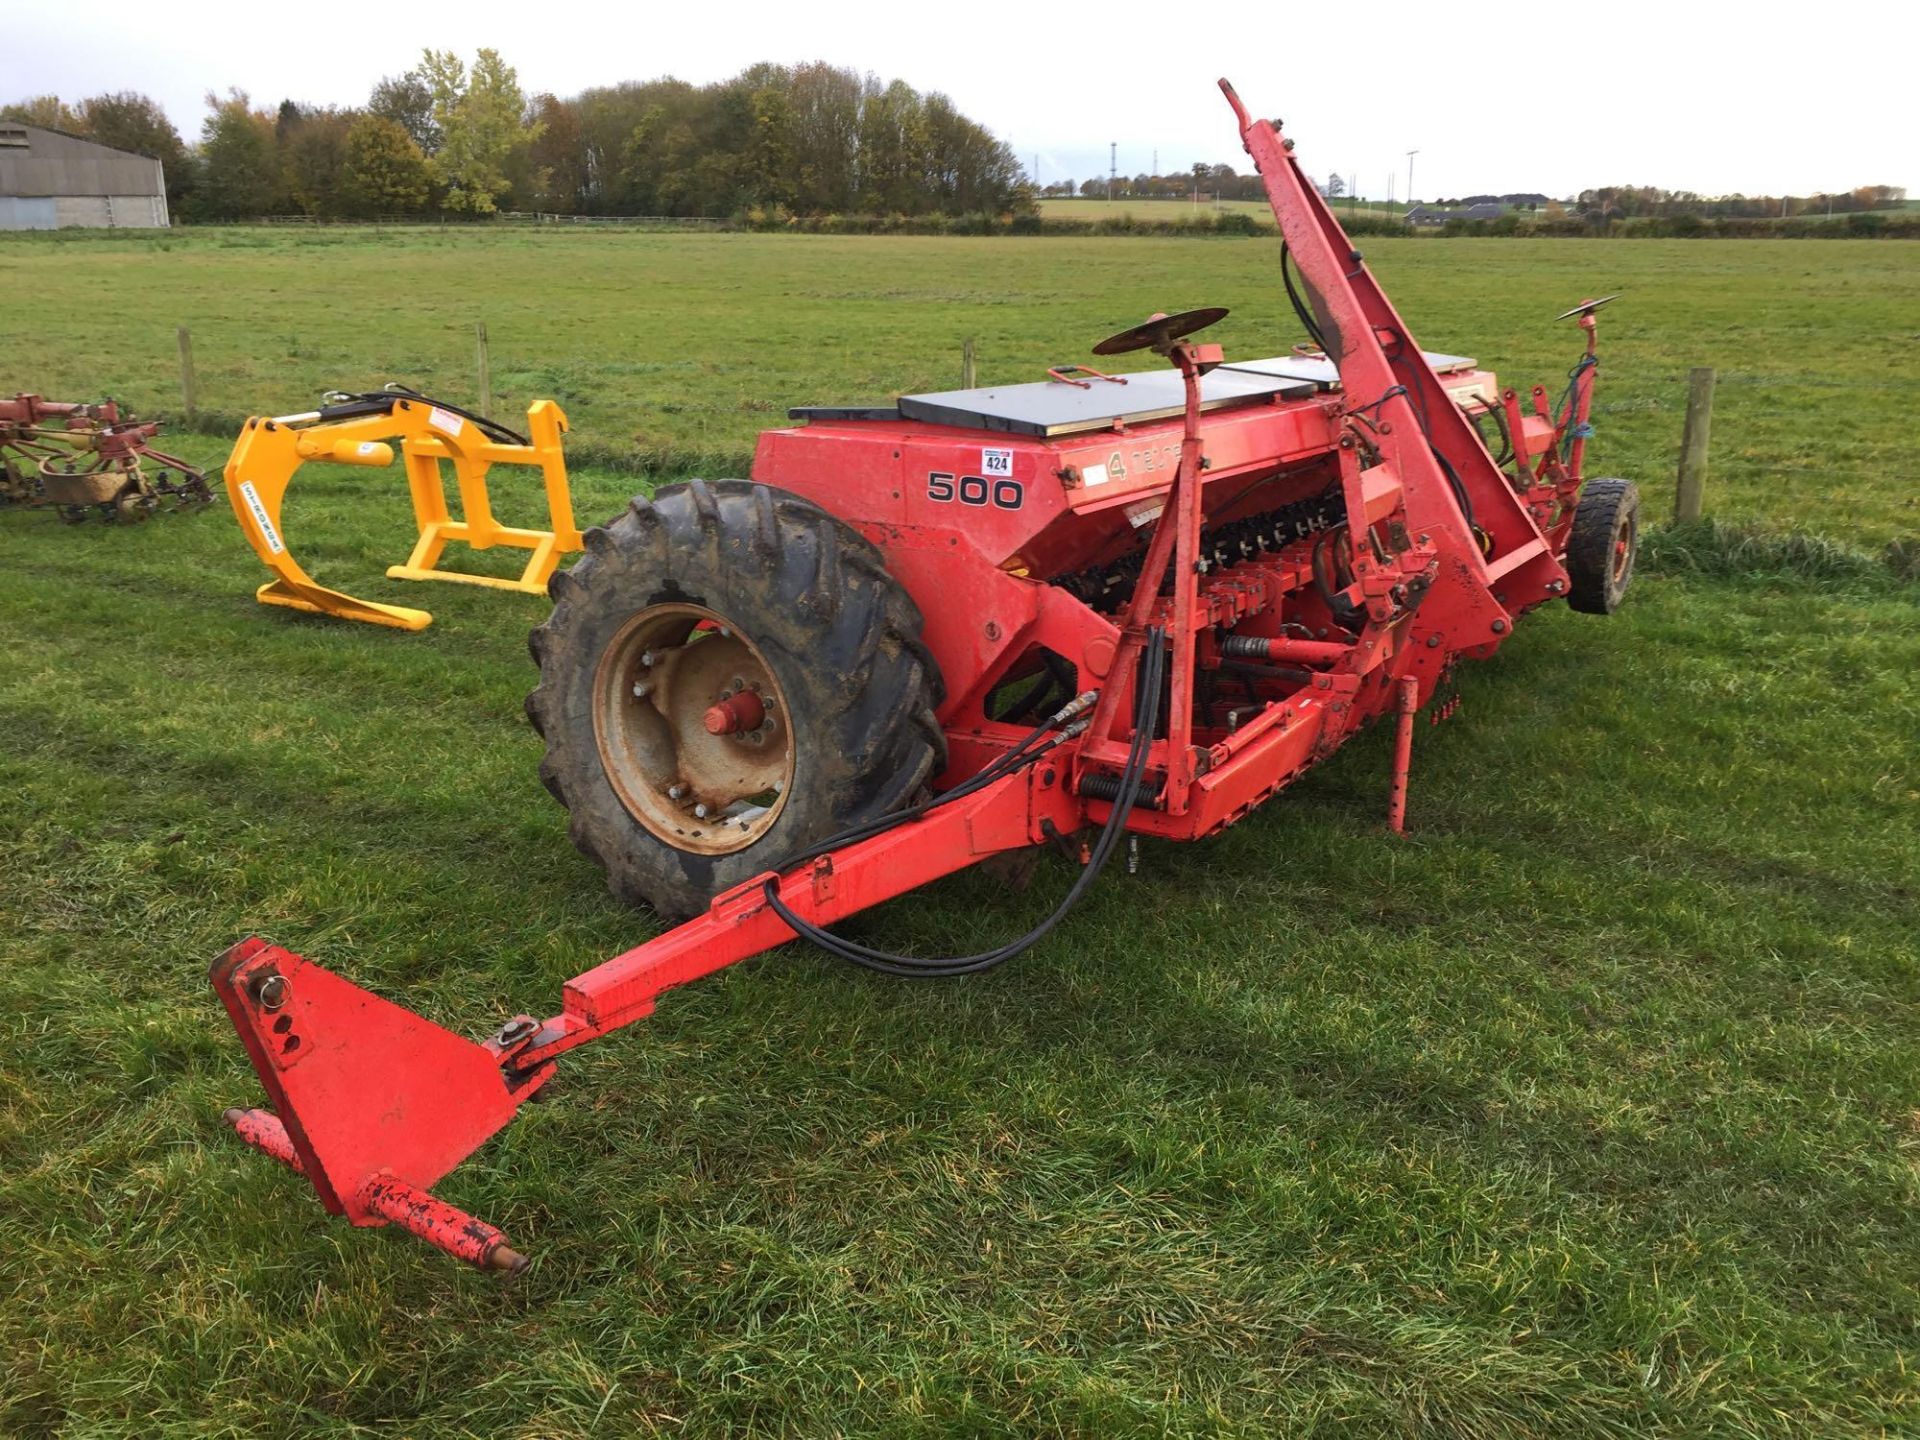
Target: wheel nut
[[700, 812], [744, 711], [676, 792]]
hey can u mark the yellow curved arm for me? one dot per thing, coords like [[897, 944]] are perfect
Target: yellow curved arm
[[271, 450]]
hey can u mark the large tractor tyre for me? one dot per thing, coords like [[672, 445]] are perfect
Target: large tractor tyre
[[1602, 545], [729, 676]]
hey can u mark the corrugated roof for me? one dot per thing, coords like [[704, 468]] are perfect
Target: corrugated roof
[[53, 163]]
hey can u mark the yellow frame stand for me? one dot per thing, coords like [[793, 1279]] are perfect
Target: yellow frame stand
[[270, 450]]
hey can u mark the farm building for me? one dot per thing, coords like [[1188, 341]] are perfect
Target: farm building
[[50, 180], [1430, 215]]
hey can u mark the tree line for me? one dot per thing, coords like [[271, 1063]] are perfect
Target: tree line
[[1203, 180], [1628, 202], [446, 137], [1597, 206]]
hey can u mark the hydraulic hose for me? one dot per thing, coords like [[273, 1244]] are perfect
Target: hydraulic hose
[[1146, 718]]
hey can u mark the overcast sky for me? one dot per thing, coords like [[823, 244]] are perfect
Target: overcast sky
[[1757, 97]]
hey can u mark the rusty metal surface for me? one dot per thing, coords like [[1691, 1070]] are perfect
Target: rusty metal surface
[[86, 460]]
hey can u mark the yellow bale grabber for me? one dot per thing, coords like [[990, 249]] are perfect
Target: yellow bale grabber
[[355, 430]]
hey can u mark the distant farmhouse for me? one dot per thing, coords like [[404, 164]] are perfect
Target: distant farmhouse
[[1433, 215], [1474, 207], [50, 180]]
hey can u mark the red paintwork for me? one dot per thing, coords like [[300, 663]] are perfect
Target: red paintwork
[[1409, 693], [115, 439], [383, 1095]]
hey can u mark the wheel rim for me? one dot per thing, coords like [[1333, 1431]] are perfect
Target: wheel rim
[[669, 669], [1623, 537]]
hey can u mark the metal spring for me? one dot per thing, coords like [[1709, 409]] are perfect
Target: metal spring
[[1100, 786]]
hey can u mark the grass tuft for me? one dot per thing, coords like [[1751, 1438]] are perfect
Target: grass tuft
[[1726, 551]]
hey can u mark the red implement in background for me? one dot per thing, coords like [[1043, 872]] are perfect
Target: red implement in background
[[84, 459], [1241, 570]]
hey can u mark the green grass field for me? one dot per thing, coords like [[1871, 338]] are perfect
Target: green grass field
[[1592, 1106], [677, 349]]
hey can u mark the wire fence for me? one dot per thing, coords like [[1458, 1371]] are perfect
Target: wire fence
[[511, 218]]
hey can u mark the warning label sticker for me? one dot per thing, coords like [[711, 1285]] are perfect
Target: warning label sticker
[[1093, 474], [259, 513], [445, 421]]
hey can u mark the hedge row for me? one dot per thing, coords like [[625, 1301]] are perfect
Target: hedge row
[[1889, 225], [1869, 225]]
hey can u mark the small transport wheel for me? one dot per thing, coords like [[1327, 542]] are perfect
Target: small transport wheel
[[729, 676], [1602, 545]]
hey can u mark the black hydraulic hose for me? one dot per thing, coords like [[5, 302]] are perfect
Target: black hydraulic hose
[[1018, 758], [1419, 401], [1299, 305], [1460, 495], [1499, 418], [1057, 686], [1146, 718], [376, 401]]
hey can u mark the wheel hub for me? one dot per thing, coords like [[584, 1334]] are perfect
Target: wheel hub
[[692, 729], [1623, 548]]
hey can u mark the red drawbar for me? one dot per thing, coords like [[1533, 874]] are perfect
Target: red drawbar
[[370, 1101]]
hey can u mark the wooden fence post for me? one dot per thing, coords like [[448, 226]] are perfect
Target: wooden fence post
[[484, 364], [188, 394], [966, 364], [1690, 494]]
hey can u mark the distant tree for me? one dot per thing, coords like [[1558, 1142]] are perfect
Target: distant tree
[[770, 167], [557, 158], [240, 168], [407, 100], [1336, 187], [313, 162], [287, 119], [481, 121], [893, 146], [127, 120], [824, 104], [49, 112], [385, 173]]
